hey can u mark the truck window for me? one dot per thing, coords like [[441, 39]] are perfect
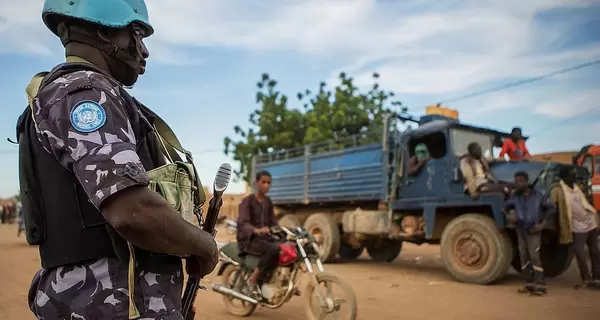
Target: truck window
[[597, 164], [435, 142], [587, 163], [460, 140]]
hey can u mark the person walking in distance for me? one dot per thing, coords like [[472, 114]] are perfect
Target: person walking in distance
[[110, 247], [578, 223], [532, 210], [256, 217], [21, 218]]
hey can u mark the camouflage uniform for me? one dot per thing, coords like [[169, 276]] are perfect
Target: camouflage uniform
[[105, 162]]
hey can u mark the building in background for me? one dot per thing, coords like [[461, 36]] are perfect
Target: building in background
[[561, 157]]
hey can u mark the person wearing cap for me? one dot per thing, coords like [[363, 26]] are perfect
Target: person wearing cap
[[515, 147], [110, 247]]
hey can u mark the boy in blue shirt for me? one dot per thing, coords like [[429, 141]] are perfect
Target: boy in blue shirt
[[532, 210]]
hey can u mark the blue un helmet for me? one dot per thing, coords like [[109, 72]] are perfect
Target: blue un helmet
[[108, 13]]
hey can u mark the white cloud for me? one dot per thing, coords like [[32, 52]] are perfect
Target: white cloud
[[167, 55], [555, 99], [572, 136], [462, 42], [419, 47], [574, 105], [22, 29]]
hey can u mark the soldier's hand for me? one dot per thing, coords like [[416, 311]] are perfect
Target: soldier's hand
[[206, 264]]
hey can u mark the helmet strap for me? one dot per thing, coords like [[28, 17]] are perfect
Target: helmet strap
[[67, 35]]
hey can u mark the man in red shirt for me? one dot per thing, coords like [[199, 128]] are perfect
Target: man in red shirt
[[515, 146]]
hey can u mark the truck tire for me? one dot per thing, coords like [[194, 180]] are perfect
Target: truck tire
[[325, 230], [474, 250], [350, 253], [385, 251], [289, 221]]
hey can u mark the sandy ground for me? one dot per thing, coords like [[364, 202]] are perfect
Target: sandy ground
[[414, 287]]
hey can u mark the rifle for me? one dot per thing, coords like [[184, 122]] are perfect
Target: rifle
[[214, 205]]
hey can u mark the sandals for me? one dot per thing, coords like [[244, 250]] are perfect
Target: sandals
[[533, 291]]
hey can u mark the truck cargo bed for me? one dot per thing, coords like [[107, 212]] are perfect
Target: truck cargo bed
[[351, 174]]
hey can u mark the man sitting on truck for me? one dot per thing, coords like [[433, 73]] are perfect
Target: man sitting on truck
[[416, 162], [532, 211], [477, 175], [256, 217]]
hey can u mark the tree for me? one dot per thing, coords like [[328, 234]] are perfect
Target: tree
[[341, 113]]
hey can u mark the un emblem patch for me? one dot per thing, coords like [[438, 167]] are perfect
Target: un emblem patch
[[88, 116]]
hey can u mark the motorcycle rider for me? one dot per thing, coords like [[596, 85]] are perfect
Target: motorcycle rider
[[256, 217], [107, 242]]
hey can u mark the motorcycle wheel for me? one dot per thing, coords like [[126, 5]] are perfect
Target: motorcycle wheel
[[233, 305], [337, 308]]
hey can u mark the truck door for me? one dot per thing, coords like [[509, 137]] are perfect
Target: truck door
[[592, 163], [431, 178]]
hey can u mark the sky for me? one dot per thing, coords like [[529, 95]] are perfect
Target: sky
[[207, 55]]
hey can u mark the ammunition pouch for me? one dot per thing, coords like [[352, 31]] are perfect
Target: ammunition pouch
[[176, 182]]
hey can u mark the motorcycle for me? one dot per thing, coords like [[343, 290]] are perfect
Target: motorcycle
[[298, 252]]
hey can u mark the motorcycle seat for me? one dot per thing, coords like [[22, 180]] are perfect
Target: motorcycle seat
[[248, 260]]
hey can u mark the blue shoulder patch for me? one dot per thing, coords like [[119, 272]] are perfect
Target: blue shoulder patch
[[88, 116]]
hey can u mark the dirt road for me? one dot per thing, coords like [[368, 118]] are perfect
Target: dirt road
[[414, 287]]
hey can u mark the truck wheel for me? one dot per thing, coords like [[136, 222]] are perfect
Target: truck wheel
[[556, 259], [350, 253], [289, 221], [385, 251], [325, 230], [474, 250]]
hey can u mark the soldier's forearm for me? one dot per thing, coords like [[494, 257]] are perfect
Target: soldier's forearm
[[146, 220]]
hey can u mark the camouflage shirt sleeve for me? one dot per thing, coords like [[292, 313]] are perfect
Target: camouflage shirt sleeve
[[82, 120]]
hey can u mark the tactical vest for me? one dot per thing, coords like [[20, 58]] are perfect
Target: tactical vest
[[59, 217]]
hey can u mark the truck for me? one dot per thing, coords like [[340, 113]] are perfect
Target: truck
[[589, 158], [353, 194]]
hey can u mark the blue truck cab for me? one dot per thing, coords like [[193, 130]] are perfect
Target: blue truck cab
[[356, 194]]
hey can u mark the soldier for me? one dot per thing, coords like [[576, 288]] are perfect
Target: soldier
[[86, 147]]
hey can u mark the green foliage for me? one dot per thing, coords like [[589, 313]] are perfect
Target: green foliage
[[338, 114]]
